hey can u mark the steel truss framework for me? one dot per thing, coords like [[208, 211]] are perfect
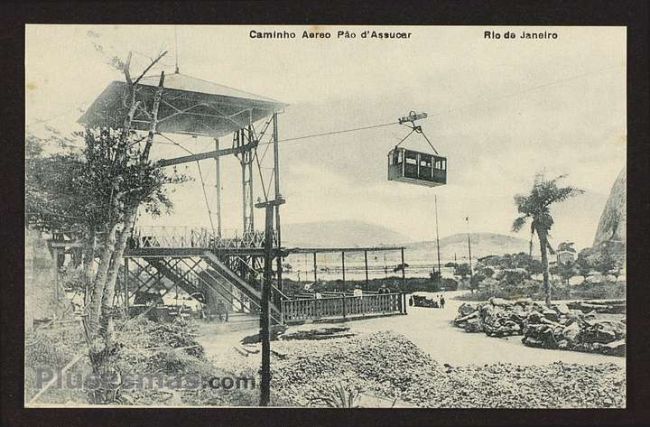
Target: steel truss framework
[[195, 276], [245, 147]]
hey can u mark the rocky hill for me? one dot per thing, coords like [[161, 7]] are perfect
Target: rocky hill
[[613, 220]]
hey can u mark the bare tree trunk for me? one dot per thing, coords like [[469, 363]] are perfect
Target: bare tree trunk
[[88, 258], [95, 306], [109, 288], [543, 244], [154, 119]]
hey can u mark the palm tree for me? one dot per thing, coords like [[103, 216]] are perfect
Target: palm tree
[[535, 206]]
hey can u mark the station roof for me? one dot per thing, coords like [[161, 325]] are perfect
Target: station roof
[[189, 106]]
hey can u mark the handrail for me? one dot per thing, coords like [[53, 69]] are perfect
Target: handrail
[[229, 275], [188, 237], [342, 306]]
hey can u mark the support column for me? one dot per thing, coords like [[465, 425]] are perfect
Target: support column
[[218, 186], [246, 161], [403, 292], [343, 267], [403, 270], [265, 315], [126, 285], [276, 179], [315, 274], [55, 254], [365, 260]]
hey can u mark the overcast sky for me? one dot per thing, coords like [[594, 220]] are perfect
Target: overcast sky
[[500, 110]]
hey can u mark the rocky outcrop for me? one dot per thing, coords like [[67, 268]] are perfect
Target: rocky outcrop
[[613, 220]]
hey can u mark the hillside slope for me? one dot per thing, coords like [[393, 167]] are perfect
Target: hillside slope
[[483, 244], [339, 234]]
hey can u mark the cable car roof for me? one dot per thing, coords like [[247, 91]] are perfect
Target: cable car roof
[[189, 106]]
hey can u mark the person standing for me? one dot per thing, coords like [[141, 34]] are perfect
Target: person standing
[[442, 301], [222, 311]]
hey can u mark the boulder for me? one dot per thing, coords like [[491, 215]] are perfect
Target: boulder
[[551, 315], [562, 309], [473, 325], [615, 347], [595, 277], [524, 302], [466, 309], [571, 331], [576, 280], [534, 317], [603, 331], [500, 302]]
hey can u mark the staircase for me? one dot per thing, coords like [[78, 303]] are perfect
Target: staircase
[[229, 276], [211, 273]]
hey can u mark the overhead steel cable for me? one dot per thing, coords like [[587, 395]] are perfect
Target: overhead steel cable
[[336, 132], [198, 164]]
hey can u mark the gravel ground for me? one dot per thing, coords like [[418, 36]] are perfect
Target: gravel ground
[[387, 365], [422, 360]]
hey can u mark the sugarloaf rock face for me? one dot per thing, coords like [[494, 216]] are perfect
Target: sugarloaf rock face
[[613, 220]]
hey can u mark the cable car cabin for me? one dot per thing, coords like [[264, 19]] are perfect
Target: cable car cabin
[[414, 167]]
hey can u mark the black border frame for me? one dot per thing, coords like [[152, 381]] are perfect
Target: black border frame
[[13, 15]]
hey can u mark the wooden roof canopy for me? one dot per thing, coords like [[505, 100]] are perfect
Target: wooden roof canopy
[[189, 106]]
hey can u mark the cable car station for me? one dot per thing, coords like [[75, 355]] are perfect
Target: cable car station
[[205, 263]]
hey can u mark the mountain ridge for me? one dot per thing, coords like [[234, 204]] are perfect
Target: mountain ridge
[[344, 233], [353, 233]]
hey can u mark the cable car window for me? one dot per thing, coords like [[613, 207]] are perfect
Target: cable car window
[[411, 161]]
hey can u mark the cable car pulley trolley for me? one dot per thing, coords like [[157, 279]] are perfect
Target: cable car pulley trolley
[[415, 167]]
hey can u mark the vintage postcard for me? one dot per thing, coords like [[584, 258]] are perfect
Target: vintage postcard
[[325, 216]]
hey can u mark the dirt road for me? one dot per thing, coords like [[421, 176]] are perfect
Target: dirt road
[[431, 330]]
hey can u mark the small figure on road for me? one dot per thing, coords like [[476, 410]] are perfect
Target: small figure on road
[[442, 301]]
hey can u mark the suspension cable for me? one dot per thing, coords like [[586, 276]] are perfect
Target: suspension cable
[[198, 164], [336, 132], [404, 139]]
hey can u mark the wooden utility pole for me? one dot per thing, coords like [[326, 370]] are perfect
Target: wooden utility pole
[[435, 198], [265, 315], [403, 291], [365, 263], [276, 181], [343, 268], [469, 249]]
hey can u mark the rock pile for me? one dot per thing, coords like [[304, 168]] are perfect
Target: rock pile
[[609, 306], [561, 326], [388, 365], [498, 317], [578, 333]]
